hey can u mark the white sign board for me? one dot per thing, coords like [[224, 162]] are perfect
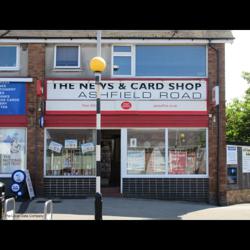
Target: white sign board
[[232, 155], [29, 185], [53, 106], [56, 147], [87, 147], [70, 144], [136, 160], [246, 159], [128, 95]]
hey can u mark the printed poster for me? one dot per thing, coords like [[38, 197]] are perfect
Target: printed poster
[[178, 162], [70, 144], [87, 147], [232, 155], [12, 149], [56, 147], [246, 159], [136, 160]]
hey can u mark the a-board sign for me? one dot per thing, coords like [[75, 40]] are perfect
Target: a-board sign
[[29, 185]]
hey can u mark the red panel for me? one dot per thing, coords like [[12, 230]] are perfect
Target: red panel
[[13, 121], [127, 121]]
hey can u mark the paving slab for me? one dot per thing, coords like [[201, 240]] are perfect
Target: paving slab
[[131, 209]]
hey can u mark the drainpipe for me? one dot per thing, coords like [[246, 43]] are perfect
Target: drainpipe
[[218, 125]]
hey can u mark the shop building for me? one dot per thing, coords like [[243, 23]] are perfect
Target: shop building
[[159, 122]]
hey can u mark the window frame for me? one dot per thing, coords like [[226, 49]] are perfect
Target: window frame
[[67, 67], [125, 54], [133, 61], [13, 68], [45, 154], [8, 175], [124, 174]]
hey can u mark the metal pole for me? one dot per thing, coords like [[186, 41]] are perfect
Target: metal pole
[[98, 196], [99, 33]]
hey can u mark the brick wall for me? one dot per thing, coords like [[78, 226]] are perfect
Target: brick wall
[[238, 196], [36, 70], [212, 71]]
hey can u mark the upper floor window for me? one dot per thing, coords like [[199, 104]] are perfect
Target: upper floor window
[[67, 57], [122, 61], [9, 57], [160, 60]]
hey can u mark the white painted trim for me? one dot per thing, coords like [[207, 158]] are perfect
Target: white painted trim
[[123, 164], [206, 61], [121, 41], [165, 176], [44, 152], [125, 54], [69, 176], [16, 79], [67, 67], [166, 151], [207, 153], [133, 61], [5, 175], [14, 68]]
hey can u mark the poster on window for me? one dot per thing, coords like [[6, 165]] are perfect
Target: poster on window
[[136, 161], [191, 163], [55, 147], [71, 144], [12, 149], [232, 155], [178, 162], [246, 159], [87, 147]]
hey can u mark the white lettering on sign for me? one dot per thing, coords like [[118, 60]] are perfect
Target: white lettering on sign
[[165, 95]]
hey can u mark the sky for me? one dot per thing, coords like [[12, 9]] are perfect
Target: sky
[[237, 59]]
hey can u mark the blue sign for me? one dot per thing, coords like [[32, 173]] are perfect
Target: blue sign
[[15, 187], [18, 176], [12, 98]]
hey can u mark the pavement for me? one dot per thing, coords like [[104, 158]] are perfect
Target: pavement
[[131, 209]]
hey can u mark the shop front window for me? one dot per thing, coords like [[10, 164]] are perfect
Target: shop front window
[[146, 151], [70, 152], [187, 151], [12, 150]]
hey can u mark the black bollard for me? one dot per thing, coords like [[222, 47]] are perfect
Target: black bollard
[[2, 186], [98, 206]]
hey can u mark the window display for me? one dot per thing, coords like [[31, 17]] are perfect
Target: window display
[[70, 152], [187, 151], [146, 151], [166, 151], [12, 149]]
